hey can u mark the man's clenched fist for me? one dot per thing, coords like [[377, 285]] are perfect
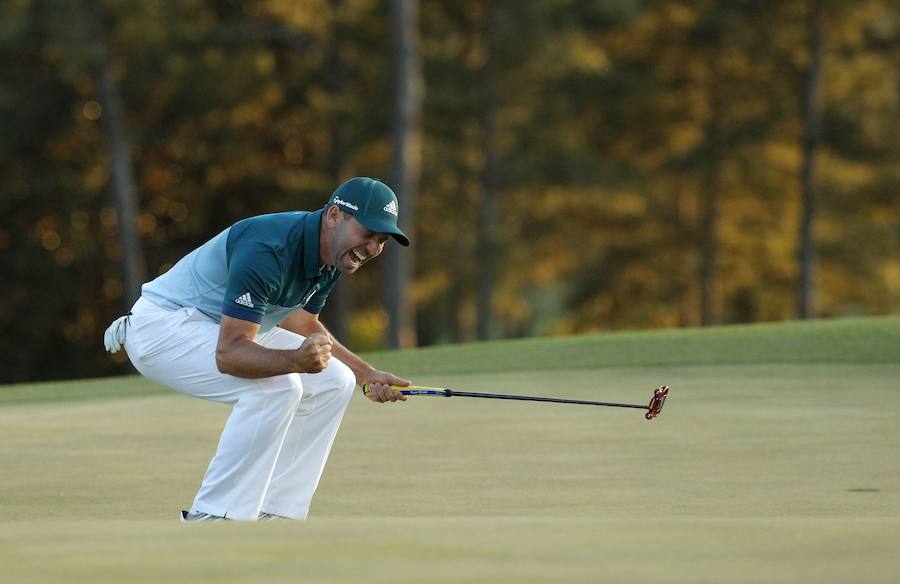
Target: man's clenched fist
[[314, 353]]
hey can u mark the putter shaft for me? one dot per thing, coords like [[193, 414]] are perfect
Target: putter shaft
[[656, 403], [556, 400]]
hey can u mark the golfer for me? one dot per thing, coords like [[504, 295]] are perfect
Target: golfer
[[236, 322]]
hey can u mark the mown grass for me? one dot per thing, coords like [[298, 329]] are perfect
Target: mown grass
[[86, 389], [858, 340], [761, 469]]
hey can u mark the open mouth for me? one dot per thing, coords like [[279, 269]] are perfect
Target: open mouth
[[356, 259]]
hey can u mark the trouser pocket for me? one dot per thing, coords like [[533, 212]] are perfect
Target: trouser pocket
[[152, 332]]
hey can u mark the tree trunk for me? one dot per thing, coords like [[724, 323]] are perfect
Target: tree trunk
[[124, 192], [709, 211], [487, 217], [708, 253], [405, 165], [341, 298], [811, 141]]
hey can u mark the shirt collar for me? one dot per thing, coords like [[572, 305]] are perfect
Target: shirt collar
[[312, 263]]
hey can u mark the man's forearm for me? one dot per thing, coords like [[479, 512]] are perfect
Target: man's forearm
[[251, 360]]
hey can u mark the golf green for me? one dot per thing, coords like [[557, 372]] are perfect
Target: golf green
[[776, 459]]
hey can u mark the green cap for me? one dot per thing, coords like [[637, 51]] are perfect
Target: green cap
[[373, 204]]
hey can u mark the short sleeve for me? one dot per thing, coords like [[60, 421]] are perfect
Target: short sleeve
[[253, 276]]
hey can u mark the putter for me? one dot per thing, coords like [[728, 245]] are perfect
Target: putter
[[653, 409]]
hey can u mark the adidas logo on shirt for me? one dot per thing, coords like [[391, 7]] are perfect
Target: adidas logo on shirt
[[391, 208], [244, 300]]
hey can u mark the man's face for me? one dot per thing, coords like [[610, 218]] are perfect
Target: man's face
[[351, 244]]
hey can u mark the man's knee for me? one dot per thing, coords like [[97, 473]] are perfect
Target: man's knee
[[343, 379]]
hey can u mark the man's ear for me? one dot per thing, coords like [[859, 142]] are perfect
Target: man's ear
[[332, 215]]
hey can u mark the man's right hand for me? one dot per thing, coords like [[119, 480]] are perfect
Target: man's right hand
[[314, 353]]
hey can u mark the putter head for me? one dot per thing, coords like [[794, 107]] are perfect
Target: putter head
[[657, 401]]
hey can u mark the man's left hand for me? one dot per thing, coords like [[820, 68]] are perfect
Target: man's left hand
[[378, 385]]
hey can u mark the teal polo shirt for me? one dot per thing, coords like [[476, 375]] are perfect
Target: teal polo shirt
[[260, 270]]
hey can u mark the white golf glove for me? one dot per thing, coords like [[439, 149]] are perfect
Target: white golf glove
[[114, 337]]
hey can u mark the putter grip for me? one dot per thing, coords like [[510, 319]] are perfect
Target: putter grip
[[365, 389], [413, 390]]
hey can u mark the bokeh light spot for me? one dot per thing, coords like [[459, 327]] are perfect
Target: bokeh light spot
[[51, 240], [178, 211], [112, 288], [91, 110]]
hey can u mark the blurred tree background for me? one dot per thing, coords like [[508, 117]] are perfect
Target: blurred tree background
[[574, 165]]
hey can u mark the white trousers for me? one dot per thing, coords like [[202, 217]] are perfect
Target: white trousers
[[275, 443]]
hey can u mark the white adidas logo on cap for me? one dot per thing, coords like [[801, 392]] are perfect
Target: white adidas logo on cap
[[391, 208]]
